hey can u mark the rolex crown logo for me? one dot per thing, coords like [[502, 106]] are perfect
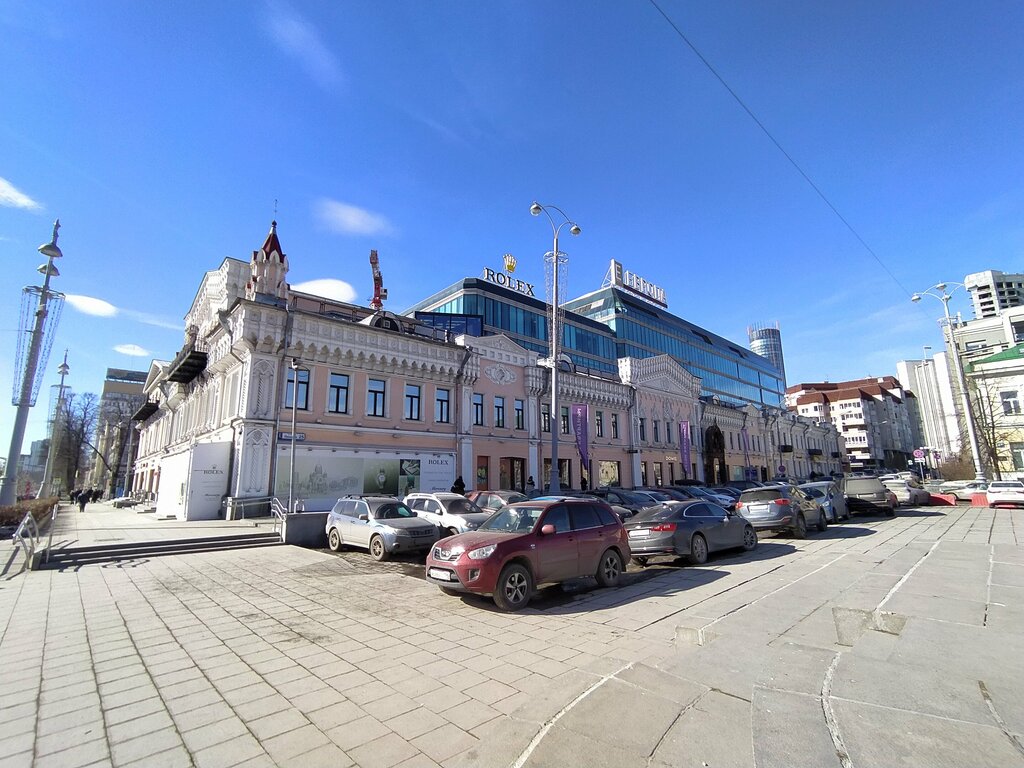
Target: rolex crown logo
[[510, 262]]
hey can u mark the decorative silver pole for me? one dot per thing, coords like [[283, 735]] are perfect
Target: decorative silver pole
[[55, 432], [556, 333], [25, 396]]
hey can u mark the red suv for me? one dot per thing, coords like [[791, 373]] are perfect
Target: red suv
[[543, 541]]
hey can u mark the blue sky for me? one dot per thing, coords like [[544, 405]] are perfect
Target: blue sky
[[161, 134]]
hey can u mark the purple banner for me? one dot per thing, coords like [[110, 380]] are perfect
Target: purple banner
[[580, 415], [684, 446], [745, 439]]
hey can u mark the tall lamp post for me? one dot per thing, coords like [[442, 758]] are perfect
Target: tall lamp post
[[55, 431], [556, 257], [944, 296], [295, 399], [39, 339]]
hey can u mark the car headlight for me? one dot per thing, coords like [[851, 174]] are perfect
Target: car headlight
[[483, 553]]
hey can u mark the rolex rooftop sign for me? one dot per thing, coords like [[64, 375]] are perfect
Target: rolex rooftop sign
[[633, 283], [505, 278]]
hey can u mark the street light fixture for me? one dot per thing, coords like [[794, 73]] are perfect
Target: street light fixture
[[944, 296], [295, 399], [45, 488], [556, 257]]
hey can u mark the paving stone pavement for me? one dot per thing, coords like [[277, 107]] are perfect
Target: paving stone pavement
[[879, 643]]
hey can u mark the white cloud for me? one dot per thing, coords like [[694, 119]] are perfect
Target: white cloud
[[349, 219], [328, 288], [90, 306], [300, 40], [12, 197], [132, 349], [148, 319]]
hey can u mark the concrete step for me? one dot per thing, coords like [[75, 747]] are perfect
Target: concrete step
[[71, 556]]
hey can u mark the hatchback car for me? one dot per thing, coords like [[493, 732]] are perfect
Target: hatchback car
[[452, 512], [827, 493], [868, 494], [907, 492], [690, 529], [781, 508], [631, 501], [532, 543], [490, 501], [381, 524], [1005, 493]]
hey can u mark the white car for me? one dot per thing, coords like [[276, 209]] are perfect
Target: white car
[[965, 491], [451, 512], [907, 493], [1005, 493]]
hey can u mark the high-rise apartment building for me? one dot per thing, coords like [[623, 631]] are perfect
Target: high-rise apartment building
[[993, 290]]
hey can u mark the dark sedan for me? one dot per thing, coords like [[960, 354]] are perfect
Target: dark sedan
[[687, 528]]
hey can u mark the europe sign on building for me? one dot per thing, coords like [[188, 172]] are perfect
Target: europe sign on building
[[632, 282]]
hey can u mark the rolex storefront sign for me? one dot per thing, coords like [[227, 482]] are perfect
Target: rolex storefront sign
[[505, 279]]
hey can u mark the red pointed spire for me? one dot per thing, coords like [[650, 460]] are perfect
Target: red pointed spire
[[272, 245]]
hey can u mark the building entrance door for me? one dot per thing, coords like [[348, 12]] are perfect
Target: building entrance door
[[714, 456]]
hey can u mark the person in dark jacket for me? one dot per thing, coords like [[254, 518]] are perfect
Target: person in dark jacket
[[459, 486], [83, 499]]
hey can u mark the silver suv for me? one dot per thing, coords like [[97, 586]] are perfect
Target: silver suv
[[452, 512], [382, 524]]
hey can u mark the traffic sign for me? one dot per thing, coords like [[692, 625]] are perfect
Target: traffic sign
[[782, 469], [918, 453]]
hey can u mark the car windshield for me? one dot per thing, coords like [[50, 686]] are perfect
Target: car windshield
[[761, 494], [813, 491], [462, 507], [634, 498], [654, 514], [519, 519], [660, 495], [515, 498], [392, 510], [863, 485]]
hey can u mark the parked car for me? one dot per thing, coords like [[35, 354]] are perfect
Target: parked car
[[868, 494], [828, 495], [781, 508], [743, 485], [687, 528], [495, 500], [907, 493], [622, 512], [531, 543], [1005, 493], [723, 500], [964, 490], [629, 500], [727, 490], [452, 512], [382, 524]]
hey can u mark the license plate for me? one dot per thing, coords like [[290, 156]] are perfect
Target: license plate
[[639, 533], [437, 573]]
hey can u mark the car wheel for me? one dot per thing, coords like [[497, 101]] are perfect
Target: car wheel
[[891, 512], [698, 549], [334, 540], [514, 588], [800, 529], [377, 549], [749, 538], [641, 561], [450, 532], [822, 522], [450, 591], [610, 569]]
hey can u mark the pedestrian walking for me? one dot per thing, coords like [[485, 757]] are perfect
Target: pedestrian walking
[[83, 499], [459, 486], [530, 485], [583, 484]]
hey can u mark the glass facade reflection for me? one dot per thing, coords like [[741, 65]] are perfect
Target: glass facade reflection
[[603, 326]]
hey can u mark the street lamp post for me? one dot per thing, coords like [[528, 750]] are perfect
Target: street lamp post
[[26, 394], [556, 417], [55, 430], [944, 296], [295, 399]]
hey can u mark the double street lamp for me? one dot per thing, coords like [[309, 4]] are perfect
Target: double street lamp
[[944, 296], [295, 400], [556, 257]]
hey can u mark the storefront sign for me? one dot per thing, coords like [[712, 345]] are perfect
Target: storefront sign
[[632, 282], [506, 280]]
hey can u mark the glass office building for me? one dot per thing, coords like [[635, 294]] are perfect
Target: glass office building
[[603, 326]]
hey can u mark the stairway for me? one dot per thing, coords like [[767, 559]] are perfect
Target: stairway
[[73, 557]]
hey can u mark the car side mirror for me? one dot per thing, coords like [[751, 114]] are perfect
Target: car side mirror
[[364, 517], [547, 530]]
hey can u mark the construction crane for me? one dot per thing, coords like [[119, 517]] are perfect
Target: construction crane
[[380, 293]]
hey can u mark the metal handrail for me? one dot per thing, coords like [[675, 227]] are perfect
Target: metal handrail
[[279, 510], [27, 536], [247, 502]]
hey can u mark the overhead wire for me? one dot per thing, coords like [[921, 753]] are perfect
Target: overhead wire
[[787, 155]]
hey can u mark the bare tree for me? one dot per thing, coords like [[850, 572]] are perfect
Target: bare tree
[[78, 424]]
